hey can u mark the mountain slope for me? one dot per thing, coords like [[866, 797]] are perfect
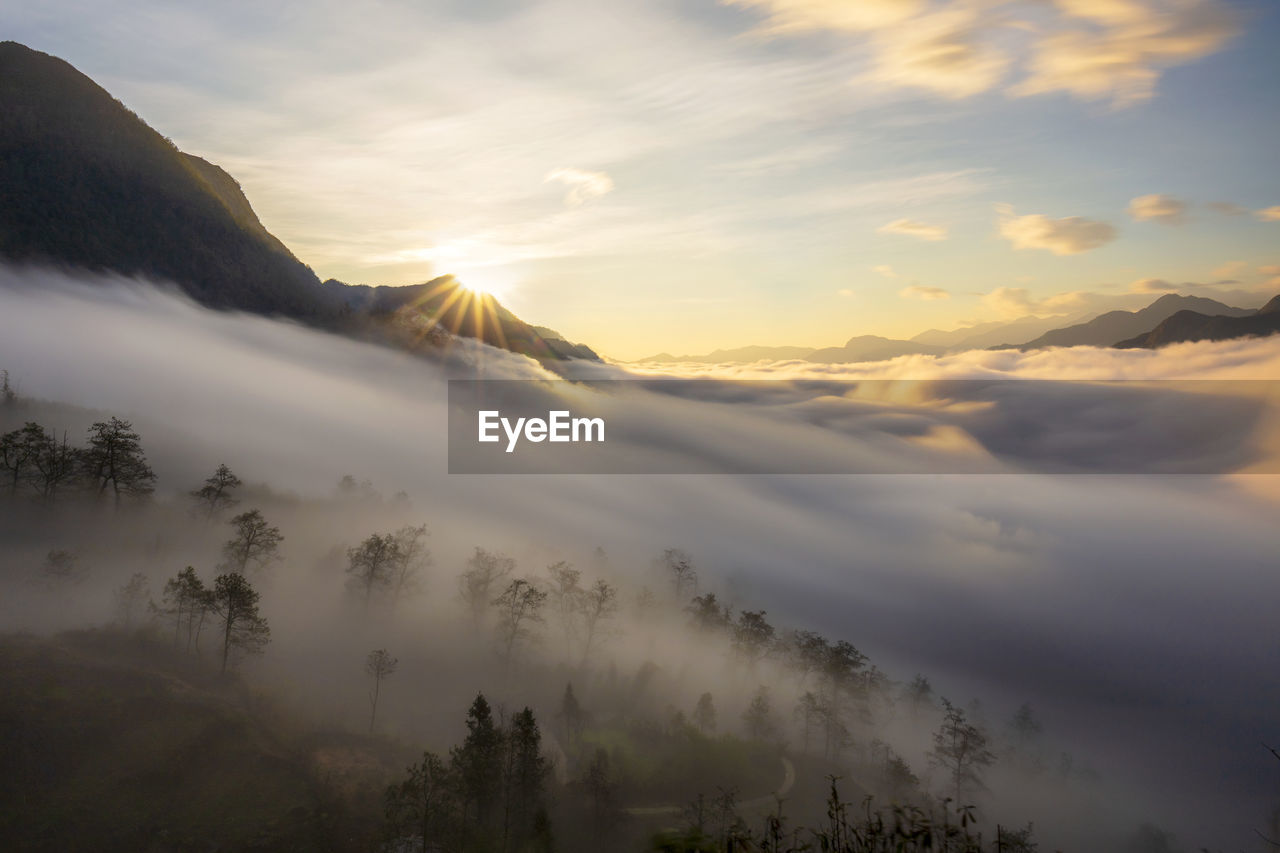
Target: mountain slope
[[86, 183], [871, 348], [1105, 329], [995, 333], [1196, 326]]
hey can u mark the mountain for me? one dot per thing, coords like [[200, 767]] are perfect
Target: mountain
[[85, 183], [871, 348], [1197, 326], [739, 354], [1105, 329], [995, 333]]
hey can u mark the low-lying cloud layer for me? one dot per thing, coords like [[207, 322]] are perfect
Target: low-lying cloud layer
[[1136, 614]]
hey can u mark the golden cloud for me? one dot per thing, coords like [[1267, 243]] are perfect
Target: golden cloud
[[914, 228]]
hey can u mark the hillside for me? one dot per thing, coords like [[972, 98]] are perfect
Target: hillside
[[1105, 329], [85, 183], [737, 354], [110, 744], [1197, 326]]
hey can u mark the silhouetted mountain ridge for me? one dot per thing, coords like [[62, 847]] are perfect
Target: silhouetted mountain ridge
[[1105, 329], [1186, 326], [85, 183]]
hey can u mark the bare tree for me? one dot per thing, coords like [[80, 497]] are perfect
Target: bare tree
[[243, 627], [412, 559], [960, 748], [679, 568], [255, 544], [215, 496], [379, 665], [566, 596], [114, 461], [519, 609], [599, 604], [16, 451], [483, 574], [55, 464]]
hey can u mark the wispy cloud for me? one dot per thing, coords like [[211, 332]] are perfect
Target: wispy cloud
[[1069, 235], [582, 186], [1164, 209], [923, 292], [1269, 214], [914, 228]]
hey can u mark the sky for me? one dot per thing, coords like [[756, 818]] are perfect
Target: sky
[[684, 176]]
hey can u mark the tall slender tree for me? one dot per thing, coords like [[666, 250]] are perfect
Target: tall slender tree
[[244, 630], [217, 494], [380, 665]]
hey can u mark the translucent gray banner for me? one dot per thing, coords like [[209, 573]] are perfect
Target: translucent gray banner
[[987, 426]]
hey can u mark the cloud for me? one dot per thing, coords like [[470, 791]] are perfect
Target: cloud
[[1067, 236], [846, 293], [942, 53], [914, 228], [1231, 269], [1055, 624], [1227, 208], [1269, 214], [928, 294], [1090, 49], [582, 186], [885, 270], [1158, 208], [1117, 49], [1152, 285]]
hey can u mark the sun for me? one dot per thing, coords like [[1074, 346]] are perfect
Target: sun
[[482, 281]]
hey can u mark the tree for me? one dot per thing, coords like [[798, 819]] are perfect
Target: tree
[[255, 544], [679, 568], [566, 596], [54, 464], [918, 694], [379, 665], [114, 460], [707, 613], [960, 748], [215, 496], [421, 805], [573, 716], [752, 637], [412, 558], [131, 597], [598, 604], [61, 566], [236, 604], [483, 573], [519, 608], [704, 714], [8, 396], [601, 790], [758, 718], [478, 765], [1024, 735], [187, 602], [370, 564], [17, 449], [524, 777]]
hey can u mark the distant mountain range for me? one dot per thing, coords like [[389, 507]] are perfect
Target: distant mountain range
[[1169, 319], [1106, 329], [85, 183], [1197, 326]]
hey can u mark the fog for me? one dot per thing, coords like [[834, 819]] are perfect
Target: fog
[[1136, 614]]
